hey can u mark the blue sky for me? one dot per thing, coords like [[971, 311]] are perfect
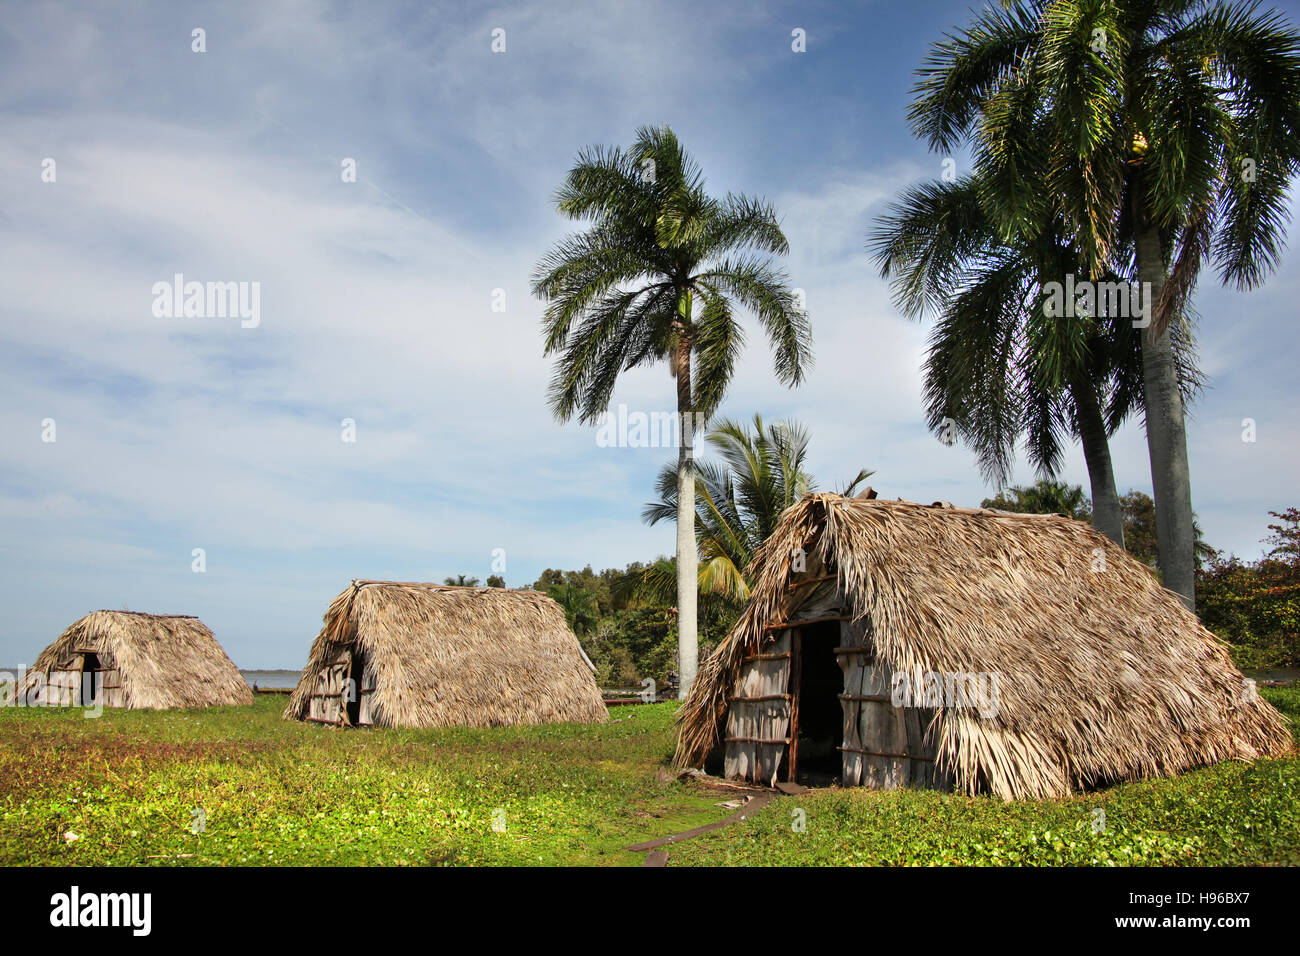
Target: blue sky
[[376, 296]]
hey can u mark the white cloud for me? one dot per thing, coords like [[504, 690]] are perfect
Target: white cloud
[[182, 433]]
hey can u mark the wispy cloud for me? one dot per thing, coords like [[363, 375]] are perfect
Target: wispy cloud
[[377, 296]]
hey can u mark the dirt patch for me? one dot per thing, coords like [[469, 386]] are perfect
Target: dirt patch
[[37, 767]]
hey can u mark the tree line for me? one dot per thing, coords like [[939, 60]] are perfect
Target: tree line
[[626, 619]]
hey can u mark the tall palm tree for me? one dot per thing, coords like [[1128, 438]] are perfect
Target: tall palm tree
[[1000, 366], [739, 500], [1164, 133], [657, 277]]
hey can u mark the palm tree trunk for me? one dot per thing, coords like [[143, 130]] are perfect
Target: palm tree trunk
[[1166, 431], [688, 647], [1107, 515]]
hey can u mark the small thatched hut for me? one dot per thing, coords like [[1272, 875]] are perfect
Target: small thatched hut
[[137, 661], [427, 655], [890, 644]]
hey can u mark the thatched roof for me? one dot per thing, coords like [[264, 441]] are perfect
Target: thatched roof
[[445, 656], [1103, 674], [164, 660]]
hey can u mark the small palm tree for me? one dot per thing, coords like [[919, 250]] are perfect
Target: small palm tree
[[657, 277], [1164, 134], [460, 581], [738, 502]]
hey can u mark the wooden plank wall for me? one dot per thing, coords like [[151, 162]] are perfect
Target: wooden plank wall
[[366, 688], [63, 688], [108, 683], [758, 714], [884, 746], [326, 706], [111, 690]]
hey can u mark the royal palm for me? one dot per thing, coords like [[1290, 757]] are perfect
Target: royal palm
[[1001, 366], [659, 276], [1170, 128]]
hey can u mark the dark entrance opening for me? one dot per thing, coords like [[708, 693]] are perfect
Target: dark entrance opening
[[817, 694], [352, 689], [91, 679]]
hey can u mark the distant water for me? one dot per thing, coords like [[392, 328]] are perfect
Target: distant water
[[1276, 673], [260, 678], [272, 678]]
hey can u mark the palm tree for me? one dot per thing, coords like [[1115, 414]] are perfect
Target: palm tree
[[1163, 133], [460, 581], [1043, 498], [657, 277], [738, 503], [1140, 531], [579, 604], [1000, 366]]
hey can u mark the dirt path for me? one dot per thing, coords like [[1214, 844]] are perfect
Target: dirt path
[[755, 801]]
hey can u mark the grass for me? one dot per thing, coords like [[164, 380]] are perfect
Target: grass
[[128, 786], [1228, 814], [125, 789]]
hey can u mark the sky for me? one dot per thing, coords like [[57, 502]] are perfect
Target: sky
[[400, 301]]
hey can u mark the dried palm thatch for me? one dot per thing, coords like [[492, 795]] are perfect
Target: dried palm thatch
[[1103, 674], [150, 661], [427, 655]]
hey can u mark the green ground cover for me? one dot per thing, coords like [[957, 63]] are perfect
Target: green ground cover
[[127, 788]]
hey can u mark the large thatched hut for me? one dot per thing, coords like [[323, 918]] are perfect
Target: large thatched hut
[[890, 644], [426, 655], [137, 661]]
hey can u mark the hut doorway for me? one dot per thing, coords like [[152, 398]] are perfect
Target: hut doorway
[[358, 688], [817, 683], [91, 679]]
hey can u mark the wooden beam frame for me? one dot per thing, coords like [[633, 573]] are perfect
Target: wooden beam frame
[[794, 586], [785, 625], [757, 740], [878, 753], [796, 672]]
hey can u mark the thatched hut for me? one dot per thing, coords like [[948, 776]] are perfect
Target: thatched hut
[[137, 661], [426, 655], [891, 644]]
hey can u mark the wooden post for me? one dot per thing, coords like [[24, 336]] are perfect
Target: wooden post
[[796, 672]]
